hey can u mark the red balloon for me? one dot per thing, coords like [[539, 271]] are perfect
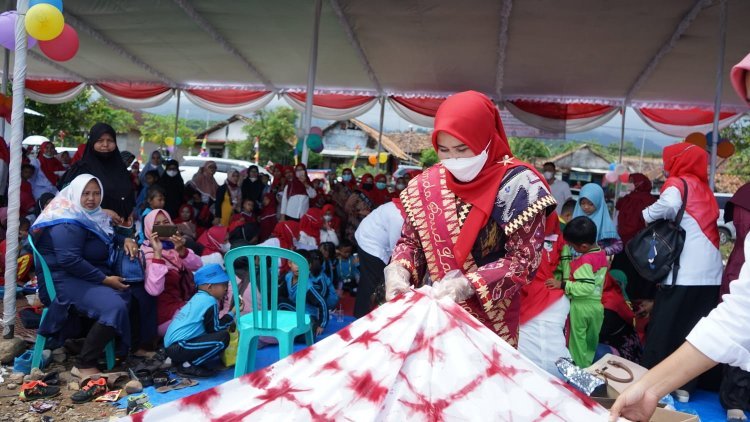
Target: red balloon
[[62, 48], [625, 177]]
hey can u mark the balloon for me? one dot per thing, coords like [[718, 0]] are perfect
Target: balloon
[[315, 143], [178, 141], [316, 131], [8, 31], [62, 48], [44, 22], [611, 177], [625, 177], [612, 166], [169, 141], [709, 138], [698, 139], [373, 159], [620, 169], [57, 3], [383, 157], [170, 149], [725, 149]]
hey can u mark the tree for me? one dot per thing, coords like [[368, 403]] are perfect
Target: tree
[[739, 134], [428, 157], [75, 118], [528, 148], [276, 133], [156, 128]]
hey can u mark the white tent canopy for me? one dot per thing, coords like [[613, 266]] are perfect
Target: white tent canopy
[[656, 53]]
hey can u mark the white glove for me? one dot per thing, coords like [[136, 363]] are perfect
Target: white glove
[[454, 285], [396, 280]]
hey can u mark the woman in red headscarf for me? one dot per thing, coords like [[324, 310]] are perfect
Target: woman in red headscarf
[[380, 194], [359, 205], [50, 165], [475, 221], [696, 288], [295, 199], [267, 218]]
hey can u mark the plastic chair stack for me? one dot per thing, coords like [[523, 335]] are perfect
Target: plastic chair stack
[[266, 319], [109, 349]]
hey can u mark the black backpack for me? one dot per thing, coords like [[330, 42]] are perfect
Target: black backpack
[[656, 250]]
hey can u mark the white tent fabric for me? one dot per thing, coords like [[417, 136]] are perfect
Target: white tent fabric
[[411, 116], [136, 103], [683, 131], [56, 98], [232, 109], [560, 125], [328, 113], [545, 49], [413, 358]]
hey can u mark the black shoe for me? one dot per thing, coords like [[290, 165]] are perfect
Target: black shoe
[[195, 371]]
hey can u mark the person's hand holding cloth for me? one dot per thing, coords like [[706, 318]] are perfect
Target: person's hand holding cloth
[[454, 285]]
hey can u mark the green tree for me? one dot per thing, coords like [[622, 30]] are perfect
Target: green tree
[[277, 134], [156, 128], [739, 134], [528, 148], [428, 157], [628, 149]]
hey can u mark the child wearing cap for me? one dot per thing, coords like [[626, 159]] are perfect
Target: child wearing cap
[[196, 333]]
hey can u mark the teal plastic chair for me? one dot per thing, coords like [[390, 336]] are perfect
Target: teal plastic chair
[[266, 319], [109, 349]]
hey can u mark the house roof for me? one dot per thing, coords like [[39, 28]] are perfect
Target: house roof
[[583, 156], [220, 125], [412, 142], [388, 144]]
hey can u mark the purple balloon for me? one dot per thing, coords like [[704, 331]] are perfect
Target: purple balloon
[[8, 31]]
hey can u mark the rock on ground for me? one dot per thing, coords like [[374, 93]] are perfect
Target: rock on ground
[[11, 349]]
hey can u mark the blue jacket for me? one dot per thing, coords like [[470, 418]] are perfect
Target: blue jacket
[[198, 317]]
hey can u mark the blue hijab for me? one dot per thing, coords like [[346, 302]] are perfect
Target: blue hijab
[[605, 228]]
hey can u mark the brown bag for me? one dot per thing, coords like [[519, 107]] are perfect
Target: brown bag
[[619, 373]]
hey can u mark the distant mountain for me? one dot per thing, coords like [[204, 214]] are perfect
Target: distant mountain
[[605, 137]]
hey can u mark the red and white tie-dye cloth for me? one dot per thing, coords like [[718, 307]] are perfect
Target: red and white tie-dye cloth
[[413, 359]]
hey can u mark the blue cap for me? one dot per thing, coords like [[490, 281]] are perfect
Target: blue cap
[[211, 274]]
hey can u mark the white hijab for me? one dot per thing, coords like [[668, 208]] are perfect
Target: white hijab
[[66, 208]]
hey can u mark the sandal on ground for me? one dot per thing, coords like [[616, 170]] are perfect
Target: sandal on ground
[[92, 390], [114, 380], [177, 384], [145, 376], [34, 390]]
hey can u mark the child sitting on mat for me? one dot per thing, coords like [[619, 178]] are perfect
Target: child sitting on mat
[[196, 333]]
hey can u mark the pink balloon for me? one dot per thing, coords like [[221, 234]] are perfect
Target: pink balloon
[[62, 48], [611, 177]]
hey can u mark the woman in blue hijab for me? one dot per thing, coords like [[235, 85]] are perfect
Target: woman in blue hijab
[[591, 203]]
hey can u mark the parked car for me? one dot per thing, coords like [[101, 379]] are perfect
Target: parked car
[[727, 231], [402, 169], [190, 165]]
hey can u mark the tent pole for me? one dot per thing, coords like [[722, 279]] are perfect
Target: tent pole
[[311, 80], [380, 130], [622, 146], [177, 113], [14, 184], [6, 69], [719, 87]]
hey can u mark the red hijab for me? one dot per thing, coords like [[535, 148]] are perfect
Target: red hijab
[[630, 208], [472, 118], [690, 162], [212, 240], [79, 154], [312, 222], [286, 232], [49, 165], [380, 197], [179, 219], [335, 221], [267, 217], [535, 296], [297, 187]]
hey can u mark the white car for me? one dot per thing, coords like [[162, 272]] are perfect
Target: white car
[[190, 165], [727, 231]]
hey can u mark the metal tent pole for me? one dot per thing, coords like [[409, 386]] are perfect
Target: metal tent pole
[[719, 87], [311, 80], [177, 114], [622, 146], [14, 172], [380, 130]]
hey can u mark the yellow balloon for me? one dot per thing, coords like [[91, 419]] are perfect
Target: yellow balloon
[[383, 158], [169, 141], [44, 22]]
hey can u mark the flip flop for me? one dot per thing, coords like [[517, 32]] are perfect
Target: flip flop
[[177, 385], [112, 378]]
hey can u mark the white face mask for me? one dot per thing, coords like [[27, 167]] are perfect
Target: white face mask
[[327, 217], [400, 186], [225, 247], [48, 155], [466, 169], [252, 179], [548, 175], [300, 173], [172, 173]]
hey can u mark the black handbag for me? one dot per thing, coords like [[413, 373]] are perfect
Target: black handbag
[[131, 270], [655, 250]]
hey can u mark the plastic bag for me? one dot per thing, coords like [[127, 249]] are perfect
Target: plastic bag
[[229, 356]]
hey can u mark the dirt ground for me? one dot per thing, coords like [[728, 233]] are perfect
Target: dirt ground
[[13, 409]]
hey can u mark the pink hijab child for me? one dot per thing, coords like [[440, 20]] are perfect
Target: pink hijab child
[[168, 269]]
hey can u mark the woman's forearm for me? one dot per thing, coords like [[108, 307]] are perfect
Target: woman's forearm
[[683, 365]]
